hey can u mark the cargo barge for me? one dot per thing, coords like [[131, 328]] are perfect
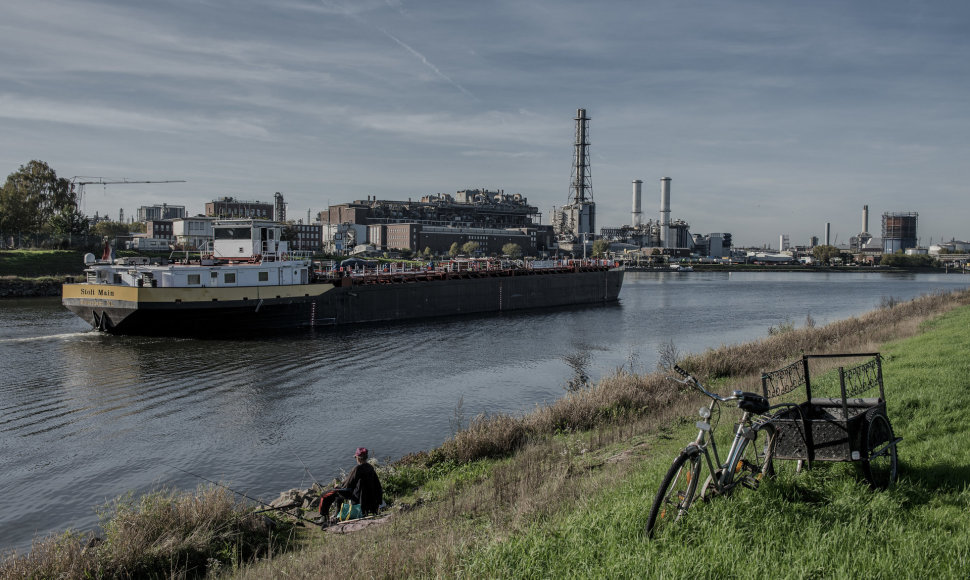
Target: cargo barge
[[250, 283]]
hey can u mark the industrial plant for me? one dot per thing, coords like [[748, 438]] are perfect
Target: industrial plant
[[494, 219]]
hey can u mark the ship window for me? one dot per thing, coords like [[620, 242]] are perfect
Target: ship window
[[264, 276], [117, 278], [195, 279], [230, 278], [233, 233]]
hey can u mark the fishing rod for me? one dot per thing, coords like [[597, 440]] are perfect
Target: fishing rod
[[262, 503], [307, 469]]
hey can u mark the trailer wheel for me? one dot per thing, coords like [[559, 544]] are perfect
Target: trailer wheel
[[880, 465], [779, 467]]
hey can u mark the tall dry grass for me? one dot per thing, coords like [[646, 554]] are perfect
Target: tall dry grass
[[162, 534], [624, 395]]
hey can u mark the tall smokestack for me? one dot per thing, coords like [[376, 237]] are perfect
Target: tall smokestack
[[665, 241], [828, 233], [865, 219], [636, 219]]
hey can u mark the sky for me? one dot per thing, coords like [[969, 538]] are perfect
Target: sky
[[770, 117]]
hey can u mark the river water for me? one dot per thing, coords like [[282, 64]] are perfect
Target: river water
[[86, 417]]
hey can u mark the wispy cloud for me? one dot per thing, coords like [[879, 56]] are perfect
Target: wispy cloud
[[71, 112], [424, 60]]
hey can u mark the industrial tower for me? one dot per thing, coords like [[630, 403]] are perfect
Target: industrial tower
[[577, 221], [279, 208]]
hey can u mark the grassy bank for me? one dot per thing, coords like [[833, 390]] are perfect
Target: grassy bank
[[41, 263], [824, 523], [564, 491]]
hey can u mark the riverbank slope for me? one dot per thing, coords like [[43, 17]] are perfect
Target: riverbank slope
[[574, 504], [564, 491]]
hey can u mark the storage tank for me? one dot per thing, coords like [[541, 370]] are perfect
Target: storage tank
[[898, 231]]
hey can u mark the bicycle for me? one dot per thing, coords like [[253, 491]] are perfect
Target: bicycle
[[744, 466]]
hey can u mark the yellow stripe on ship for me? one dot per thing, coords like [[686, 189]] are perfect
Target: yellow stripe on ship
[[100, 293]]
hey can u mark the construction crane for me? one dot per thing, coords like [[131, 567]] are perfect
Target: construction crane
[[79, 181]]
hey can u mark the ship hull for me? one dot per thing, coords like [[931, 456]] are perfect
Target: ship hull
[[232, 311]]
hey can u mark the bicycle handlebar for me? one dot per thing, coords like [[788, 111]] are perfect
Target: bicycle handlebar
[[688, 379]]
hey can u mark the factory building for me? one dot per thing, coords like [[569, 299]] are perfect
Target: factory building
[[229, 207], [160, 212], [490, 218], [306, 237], [671, 236]]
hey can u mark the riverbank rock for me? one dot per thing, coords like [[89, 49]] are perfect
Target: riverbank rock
[[297, 498]]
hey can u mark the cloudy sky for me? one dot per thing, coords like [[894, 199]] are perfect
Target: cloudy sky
[[771, 117]]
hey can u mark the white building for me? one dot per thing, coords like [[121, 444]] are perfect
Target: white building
[[193, 233]]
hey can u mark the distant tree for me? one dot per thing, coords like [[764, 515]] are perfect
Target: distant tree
[[901, 260], [512, 250], [109, 229], [32, 196], [600, 248], [824, 254], [137, 228], [454, 250], [69, 221], [469, 248], [427, 252]]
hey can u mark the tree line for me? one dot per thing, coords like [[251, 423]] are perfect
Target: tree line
[[35, 202]]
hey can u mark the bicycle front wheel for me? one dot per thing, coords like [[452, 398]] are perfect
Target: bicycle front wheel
[[676, 492]]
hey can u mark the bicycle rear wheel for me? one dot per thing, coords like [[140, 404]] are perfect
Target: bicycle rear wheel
[[676, 492]]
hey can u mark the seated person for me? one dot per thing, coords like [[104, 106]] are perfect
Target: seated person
[[362, 486]]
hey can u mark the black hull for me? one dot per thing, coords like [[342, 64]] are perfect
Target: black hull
[[327, 305]]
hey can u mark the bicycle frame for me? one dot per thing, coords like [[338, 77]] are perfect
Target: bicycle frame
[[743, 431], [707, 445]]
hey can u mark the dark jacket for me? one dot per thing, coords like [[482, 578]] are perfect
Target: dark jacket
[[365, 486]]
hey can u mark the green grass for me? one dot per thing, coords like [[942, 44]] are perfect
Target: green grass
[[823, 523], [40, 263]]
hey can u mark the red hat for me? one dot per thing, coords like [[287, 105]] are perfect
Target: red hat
[[361, 452]]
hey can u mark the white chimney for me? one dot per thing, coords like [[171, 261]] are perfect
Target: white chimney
[[636, 220], [665, 241]]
